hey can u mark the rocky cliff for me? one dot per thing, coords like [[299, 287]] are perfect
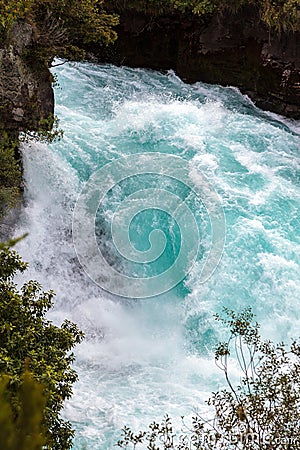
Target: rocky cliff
[[26, 98], [26, 94], [230, 49], [235, 50]]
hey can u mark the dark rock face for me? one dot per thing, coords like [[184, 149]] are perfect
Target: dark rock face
[[26, 97], [26, 94], [235, 50]]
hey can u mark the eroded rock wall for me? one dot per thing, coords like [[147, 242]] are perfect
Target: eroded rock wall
[[236, 50], [26, 94]]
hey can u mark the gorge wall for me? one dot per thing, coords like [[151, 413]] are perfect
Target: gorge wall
[[26, 98], [230, 49], [26, 95]]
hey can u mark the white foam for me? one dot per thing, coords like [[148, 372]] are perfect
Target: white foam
[[142, 359]]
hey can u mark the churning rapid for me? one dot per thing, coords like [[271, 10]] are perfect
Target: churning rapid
[[143, 358]]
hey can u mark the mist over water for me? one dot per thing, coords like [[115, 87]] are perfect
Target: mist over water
[[144, 358]]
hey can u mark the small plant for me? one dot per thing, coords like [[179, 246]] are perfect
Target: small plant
[[47, 131], [63, 27]]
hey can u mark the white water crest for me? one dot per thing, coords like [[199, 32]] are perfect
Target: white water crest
[[143, 358]]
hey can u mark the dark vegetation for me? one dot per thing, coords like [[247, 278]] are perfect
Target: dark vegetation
[[24, 431], [281, 15], [62, 27], [10, 175], [29, 342]]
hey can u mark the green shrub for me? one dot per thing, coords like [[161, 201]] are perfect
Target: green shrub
[[10, 175], [48, 131], [28, 339], [280, 15], [23, 431], [11, 10], [10, 170], [62, 27]]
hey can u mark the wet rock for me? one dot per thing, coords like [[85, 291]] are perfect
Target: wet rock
[[229, 49]]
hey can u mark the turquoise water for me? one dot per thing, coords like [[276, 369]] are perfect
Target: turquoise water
[[143, 358]]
